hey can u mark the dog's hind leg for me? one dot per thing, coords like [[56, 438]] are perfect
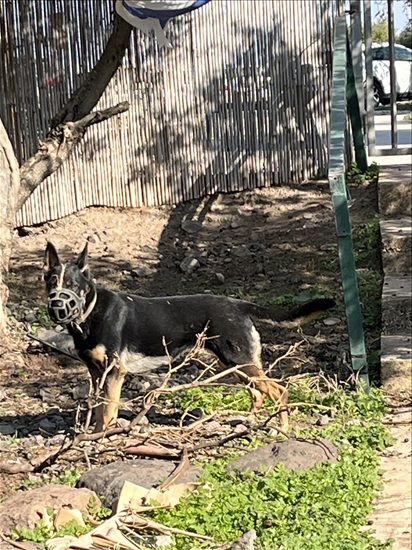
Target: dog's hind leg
[[242, 347], [259, 386]]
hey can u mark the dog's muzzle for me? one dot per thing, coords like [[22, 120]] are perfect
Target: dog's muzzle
[[65, 305]]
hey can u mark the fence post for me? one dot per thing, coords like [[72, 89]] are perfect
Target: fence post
[[340, 203], [355, 114]]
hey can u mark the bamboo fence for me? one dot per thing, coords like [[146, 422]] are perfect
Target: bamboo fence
[[241, 101]]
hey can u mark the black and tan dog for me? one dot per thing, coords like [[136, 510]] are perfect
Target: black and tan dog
[[114, 331]]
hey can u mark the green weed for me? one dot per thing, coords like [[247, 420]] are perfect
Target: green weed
[[69, 477], [356, 176], [42, 320], [209, 399], [321, 508], [44, 530], [366, 242]]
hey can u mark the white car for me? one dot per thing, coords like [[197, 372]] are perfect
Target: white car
[[381, 77]]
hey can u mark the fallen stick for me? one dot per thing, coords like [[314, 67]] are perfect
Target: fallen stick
[[151, 450]]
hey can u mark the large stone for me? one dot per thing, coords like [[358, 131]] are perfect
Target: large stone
[[26, 509], [294, 454], [245, 542], [108, 480]]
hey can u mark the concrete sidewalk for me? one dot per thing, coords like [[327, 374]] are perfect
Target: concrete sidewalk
[[392, 517]]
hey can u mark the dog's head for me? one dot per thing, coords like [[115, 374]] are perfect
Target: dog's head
[[70, 286]]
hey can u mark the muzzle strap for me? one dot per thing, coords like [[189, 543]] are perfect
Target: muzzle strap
[[61, 278]]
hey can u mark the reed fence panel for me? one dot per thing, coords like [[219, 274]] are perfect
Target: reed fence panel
[[241, 101]]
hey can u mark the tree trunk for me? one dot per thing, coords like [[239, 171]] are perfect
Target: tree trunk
[[9, 189]]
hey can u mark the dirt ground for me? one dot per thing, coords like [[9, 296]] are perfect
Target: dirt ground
[[274, 245]]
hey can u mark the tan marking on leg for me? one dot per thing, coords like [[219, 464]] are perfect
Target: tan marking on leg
[[261, 386], [112, 391], [98, 355]]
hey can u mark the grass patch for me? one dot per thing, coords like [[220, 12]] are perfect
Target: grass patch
[[321, 508]]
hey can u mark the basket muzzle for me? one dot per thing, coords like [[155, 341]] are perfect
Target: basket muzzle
[[65, 305]]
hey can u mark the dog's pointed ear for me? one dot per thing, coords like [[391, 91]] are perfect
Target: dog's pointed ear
[[51, 258], [81, 261]]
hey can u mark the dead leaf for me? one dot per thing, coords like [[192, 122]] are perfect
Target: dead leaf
[[65, 515], [137, 498]]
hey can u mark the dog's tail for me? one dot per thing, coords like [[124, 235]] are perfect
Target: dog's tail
[[298, 316]]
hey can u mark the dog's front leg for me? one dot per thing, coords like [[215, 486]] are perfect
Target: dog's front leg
[[106, 385], [112, 391], [96, 401]]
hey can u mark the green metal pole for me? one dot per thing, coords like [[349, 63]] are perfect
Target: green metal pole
[[355, 114], [340, 203]]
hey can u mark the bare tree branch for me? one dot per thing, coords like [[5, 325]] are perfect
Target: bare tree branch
[[71, 122], [57, 148], [86, 97]]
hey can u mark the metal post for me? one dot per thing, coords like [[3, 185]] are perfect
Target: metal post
[[370, 108], [355, 114], [392, 74], [356, 49], [340, 203]]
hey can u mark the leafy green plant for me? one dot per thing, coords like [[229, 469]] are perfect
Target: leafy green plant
[[40, 533], [69, 477], [98, 512], [286, 300], [357, 176], [42, 320], [44, 530], [210, 399], [323, 507], [366, 241]]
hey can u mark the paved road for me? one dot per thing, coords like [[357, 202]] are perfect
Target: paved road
[[383, 130]]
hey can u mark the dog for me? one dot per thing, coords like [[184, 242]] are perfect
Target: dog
[[115, 331]]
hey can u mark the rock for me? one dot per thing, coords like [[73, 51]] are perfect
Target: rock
[[235, 420], [245, 542], [236, 224], [241, 252], [323, 420], [81, 391], [292, 453], [191, 227], [331, 321], [7, 429], [220, 277], [30, 317], [22, 509], [188, 264], [163, 541], [108, 480], [142, 272], [62, 340]]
